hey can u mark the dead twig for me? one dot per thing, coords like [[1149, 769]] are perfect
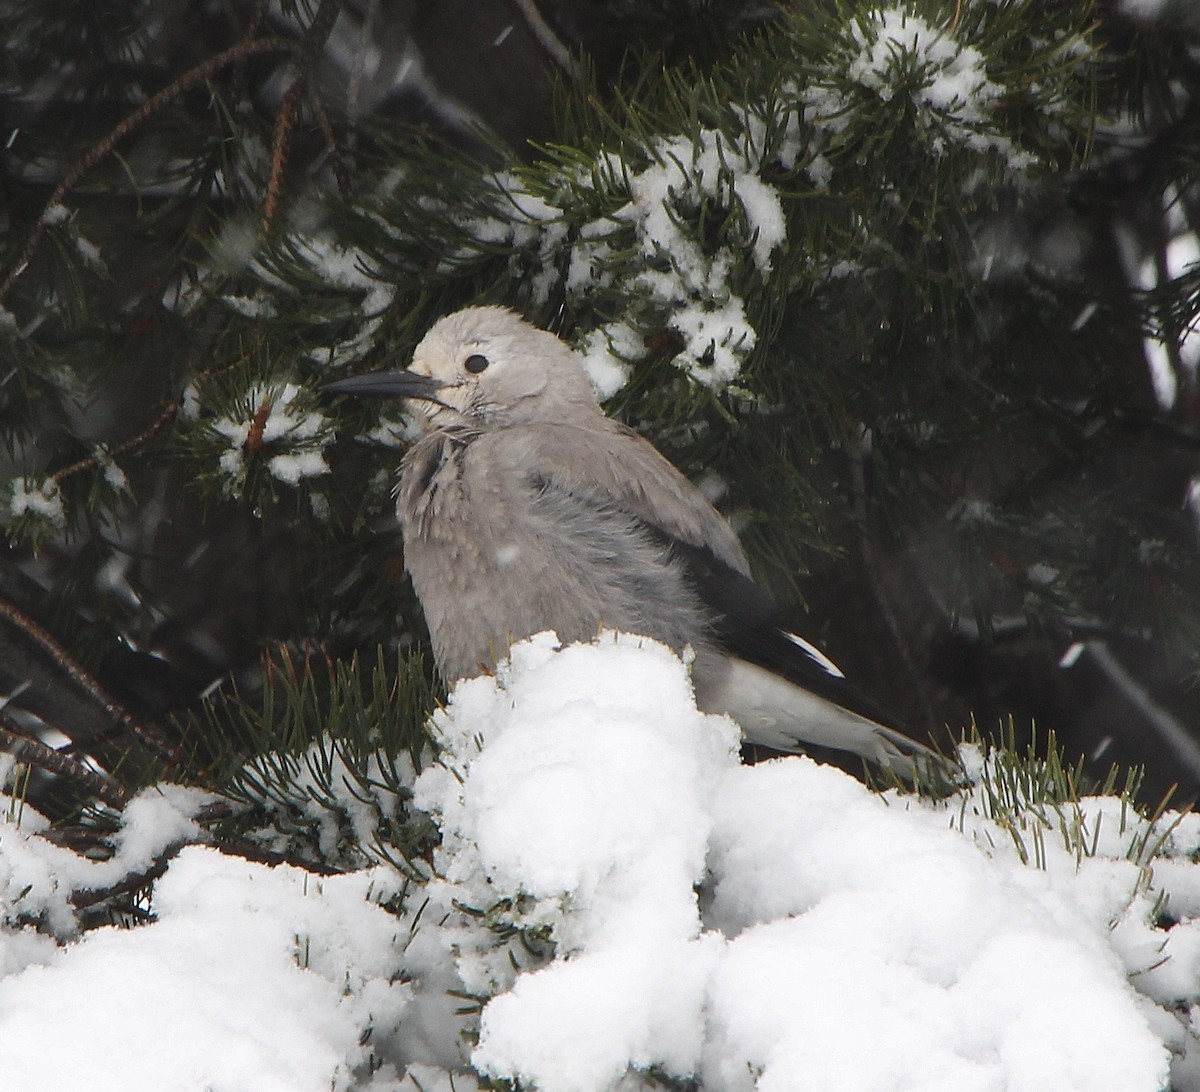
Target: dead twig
[[34, 752], [285, 121], [144, 437], [193, 77], [302, 76], [49, 650], [556, 49]]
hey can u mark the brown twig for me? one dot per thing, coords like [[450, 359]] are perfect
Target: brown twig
[[285, 120], [34, 752], [84, 897], [152, 105], [272, 859], [958, 10], [51, 650], [144, 437]]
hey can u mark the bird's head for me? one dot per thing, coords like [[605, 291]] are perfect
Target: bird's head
[[483, 367]]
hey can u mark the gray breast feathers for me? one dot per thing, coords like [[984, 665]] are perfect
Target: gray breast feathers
[[497, 553]]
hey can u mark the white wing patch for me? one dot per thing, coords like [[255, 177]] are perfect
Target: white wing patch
[[816, 654]]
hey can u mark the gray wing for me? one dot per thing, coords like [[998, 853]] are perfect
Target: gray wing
[[611, 464], [783, 691]]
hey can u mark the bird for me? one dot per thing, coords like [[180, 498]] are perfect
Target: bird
[[524, 508]]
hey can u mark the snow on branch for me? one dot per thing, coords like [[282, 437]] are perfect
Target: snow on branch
[[583, 799], [617, 901]]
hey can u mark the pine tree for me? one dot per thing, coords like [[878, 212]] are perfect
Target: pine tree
[[889, 276]]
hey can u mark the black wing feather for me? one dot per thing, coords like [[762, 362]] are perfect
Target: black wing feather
[[745, 621], [748, 625]]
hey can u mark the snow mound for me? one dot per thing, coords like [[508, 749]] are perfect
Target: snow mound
[[618, 902], [764, 927], [251, 978]]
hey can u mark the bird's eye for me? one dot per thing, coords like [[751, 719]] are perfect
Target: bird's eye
[[476, 363]]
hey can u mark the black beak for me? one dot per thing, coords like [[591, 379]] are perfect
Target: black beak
[[388, 385]]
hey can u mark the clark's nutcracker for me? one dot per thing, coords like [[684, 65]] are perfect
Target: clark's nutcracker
[[524, 508]]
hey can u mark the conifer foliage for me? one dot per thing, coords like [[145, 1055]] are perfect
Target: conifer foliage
[[914, 286]]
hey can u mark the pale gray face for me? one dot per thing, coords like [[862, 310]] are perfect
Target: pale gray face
[[483, 367]]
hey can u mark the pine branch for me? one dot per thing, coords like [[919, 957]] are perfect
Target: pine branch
[[104, 148], [285, 119], [126, 447], [34, 753], [58, 675], [326, 747], [303, 77]]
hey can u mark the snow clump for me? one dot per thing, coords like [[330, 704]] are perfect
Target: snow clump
[[41, 500], [688, 282], [617, 902], [274, 418], [765, 927], [893, 51]]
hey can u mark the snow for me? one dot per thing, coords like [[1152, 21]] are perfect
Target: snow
[[290, 469], [113, 474], [955, 74], [189, 403], [968, 975], [39, 499], [625, 898], [250, 308], [691, 285], [285, 422], [685, 169], [893, 51], [831, 916], [249, 978], [603, 353], [56, 214], [694, 286], [519, 221]]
